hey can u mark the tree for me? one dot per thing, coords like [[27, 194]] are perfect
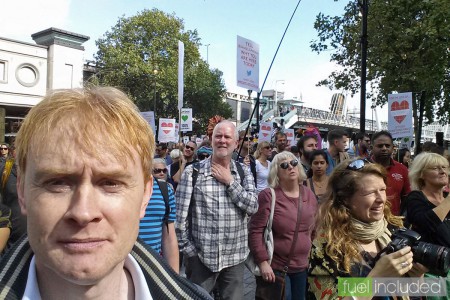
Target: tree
[[140, 56], [408, 51]]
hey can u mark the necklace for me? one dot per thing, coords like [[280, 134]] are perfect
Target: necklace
[[320, 184]]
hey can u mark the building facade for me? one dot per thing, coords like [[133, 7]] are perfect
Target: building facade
[[28, 71]]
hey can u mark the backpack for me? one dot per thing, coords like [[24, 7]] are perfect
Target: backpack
[[165, 193]]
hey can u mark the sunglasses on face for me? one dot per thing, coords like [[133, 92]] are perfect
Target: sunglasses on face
[[203, 156], [248, 139], [157, 171], [358, 164], [3, 148], [267, 147], [189, 148], [285, 165]]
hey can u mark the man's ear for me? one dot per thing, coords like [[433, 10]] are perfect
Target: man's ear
[[148, 189], [21, 193]]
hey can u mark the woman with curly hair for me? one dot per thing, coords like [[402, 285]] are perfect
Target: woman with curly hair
[[354, 225]]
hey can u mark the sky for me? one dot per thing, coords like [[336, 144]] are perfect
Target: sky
[[296, 69]]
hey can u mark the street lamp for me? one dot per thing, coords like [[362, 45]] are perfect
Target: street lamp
[[155, 72], [276, 96]]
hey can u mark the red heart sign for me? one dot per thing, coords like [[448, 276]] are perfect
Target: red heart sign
[[399, 106], [264, 127], [289, 134], [164, 124], [265, 134], [166, 131], [399, 119]]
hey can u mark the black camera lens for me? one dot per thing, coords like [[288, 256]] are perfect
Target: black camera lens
[[435, 258]]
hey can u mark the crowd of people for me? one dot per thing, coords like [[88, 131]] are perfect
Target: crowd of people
[[97, 209]]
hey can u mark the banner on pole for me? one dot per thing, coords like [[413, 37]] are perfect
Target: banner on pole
[[265, 132], [247, 68], [149, 116], [180, 74], [400, 115], [166, 131], [186, 119]]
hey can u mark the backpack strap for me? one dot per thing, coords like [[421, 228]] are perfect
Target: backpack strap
[[240, 171], [165, 193]]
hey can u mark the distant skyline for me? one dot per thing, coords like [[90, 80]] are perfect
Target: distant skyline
[[218, 23]]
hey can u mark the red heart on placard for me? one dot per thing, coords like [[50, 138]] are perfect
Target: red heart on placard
[[170, 125], [264, 127], [399, 119], [399, 106], [164, 124], [166, 131], [289, 134], [265, 134]]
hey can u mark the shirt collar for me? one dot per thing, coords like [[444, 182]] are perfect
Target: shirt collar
[[141, 290]]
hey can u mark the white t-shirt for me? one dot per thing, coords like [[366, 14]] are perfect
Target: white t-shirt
[[141, 290], [262, 174]]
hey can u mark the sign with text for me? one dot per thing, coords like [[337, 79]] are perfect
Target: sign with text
[[265, 132], [247, 69], [185, 139], [186, 119], [406, 142], [149, 116], [166, 131], [400, 115]]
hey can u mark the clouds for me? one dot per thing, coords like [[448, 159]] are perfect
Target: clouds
[[21, 18]]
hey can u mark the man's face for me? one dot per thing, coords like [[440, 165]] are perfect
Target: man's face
[[308, 147], [281, 142], [341, 144], [382, 147], [365, 143], [83, 214], [224, 141], [160, 151], [4, 150], [189, 149]]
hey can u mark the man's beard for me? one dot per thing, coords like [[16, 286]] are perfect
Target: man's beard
[[307, 155]]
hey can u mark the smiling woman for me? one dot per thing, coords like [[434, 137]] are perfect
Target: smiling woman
[[354, 224]]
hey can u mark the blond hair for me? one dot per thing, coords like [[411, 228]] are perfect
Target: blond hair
[[87, 116]]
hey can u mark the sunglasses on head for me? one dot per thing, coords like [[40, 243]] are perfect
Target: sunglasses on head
[[156, 171], [357, 164], [189, 148], [285, 165]]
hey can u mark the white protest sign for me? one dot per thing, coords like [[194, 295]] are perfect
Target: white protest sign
[[406, 142], [186, 119], [198, 141], [166, 132], [149, 116], [180, 74], [290, 135], [247, 68], [185, 139], [400, 115], [265, 132]]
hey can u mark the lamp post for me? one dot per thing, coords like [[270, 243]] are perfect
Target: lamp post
[[155, 72], [364, 7], [276, 96]]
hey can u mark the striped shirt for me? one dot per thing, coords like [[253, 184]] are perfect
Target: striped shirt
[[150, 226], [219, 216]]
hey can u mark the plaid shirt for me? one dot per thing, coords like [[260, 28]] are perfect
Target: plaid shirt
[[219, 233]]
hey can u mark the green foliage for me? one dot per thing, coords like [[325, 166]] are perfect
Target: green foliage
[[408, 51], [140, 56]]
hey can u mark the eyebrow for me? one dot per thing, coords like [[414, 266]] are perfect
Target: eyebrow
[[50, 172]]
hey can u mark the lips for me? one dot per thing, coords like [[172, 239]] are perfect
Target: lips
[[81, 245]]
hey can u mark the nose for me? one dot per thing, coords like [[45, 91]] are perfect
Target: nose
[[84, 206]]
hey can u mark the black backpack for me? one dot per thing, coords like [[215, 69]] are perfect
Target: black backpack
[[165, 193]]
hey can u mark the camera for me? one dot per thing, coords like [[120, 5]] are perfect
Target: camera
[[435, 258]]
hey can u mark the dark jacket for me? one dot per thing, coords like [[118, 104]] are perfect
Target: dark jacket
[[162, 281]]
